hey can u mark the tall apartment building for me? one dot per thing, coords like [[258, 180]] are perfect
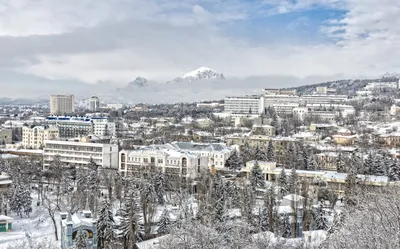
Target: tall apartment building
[[34, 136], [5, 136], [62, 104], [79, 154], [173, 163], [94, 103]]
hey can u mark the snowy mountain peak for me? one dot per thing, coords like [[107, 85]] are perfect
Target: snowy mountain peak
[[202, 73], [139, 82]]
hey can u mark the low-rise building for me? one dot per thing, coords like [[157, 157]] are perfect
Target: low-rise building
[[80, 154], [33, 137], [264, 165], [72, 224], [267, 130]]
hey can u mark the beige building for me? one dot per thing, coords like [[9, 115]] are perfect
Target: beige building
[[5, 136], [34, 136], [62, 104], [265, 168]]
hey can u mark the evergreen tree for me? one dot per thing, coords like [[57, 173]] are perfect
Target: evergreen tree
[[234, 161], [321, 222], [302, 157], [290, 156], [271, 156], [246, 152], [16, 202], [264, 219], [159, 185], [369, 165], [259, 154], [26, 200], [293, 181], [257, 176], [81, 239], [164, 222], [283, 226], [105, 225], [311, 164], [129, 223], [340, 163], [394, 171], [219, 210], [283, 183], [350, 185]]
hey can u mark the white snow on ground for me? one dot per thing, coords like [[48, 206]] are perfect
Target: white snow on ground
[[39, 226]]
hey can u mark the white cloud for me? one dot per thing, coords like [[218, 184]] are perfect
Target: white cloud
[[117, 40]]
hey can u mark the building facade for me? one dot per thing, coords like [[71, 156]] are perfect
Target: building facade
[[72, 127], [72, 224], [62, 104], [163, 158], [79, 154], [94, 103], [5, 136], [34, 136], [249, 104]]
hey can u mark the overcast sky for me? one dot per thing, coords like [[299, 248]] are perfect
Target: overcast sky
[[117, 40]]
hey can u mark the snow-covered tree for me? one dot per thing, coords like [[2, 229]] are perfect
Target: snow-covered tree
[[159, 185], [16, 203], [283, 183], [246, 152], [271, 156], [234, 161], [293, 181], [321, 222], [129, 223], [259, 154], [369, 165], [26, 201], [289, 156], [81, 239], [164, 223], [257, 176], [105, 225], [394, 170], [311, 163], [219, 210]]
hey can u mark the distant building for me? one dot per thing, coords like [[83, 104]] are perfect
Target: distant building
[[94, 103], [72, 126], [279, 91], [249, 104], [34, 136], [264, 130], [71, 224], [325, 90], [79, 154], [5, 136], [115, 106], [62, 104], [265, 167], [394, 110]]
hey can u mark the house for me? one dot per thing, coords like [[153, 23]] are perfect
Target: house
[[71, 224], [392, 139], [344, 139], [267, 130], [5, 223]]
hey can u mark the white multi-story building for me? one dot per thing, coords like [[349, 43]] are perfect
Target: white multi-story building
[[72, 127], [285, 108], [94, 103], [217, 153], [323, 99], [300, 112], [103, 127], [269, 100], [163, 158], [62, 104], [34, 136], [249, 104], [79, 154]]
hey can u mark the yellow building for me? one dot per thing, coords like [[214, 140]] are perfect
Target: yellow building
[[34, 136]]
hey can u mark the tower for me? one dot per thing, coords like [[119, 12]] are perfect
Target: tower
[[94, 103]]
